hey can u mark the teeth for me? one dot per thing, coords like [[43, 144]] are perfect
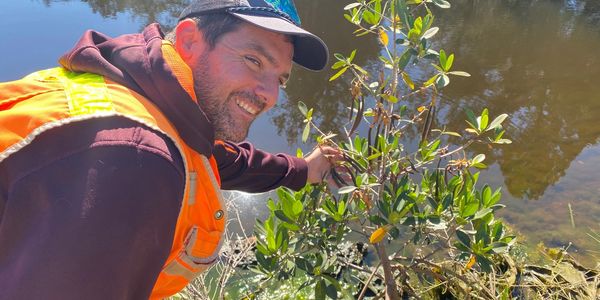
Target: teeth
[[246, 107]]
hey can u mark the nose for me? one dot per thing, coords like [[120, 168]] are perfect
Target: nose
[[268, 91]]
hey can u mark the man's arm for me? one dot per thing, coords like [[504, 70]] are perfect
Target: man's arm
[[245, 168], [89, 216]]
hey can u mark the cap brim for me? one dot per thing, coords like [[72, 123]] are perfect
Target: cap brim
[[309, 50]]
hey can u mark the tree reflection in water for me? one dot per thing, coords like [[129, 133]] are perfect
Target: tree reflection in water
[[535, 60], [165, 12]]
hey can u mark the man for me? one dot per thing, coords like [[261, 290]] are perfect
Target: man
[[111, 165]]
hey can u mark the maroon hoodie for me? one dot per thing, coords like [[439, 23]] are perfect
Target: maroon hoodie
[[88, 210]]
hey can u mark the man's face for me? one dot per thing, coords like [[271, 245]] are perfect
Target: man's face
[[240, 78]]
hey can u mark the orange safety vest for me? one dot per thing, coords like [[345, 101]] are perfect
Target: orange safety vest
[[52, 98]]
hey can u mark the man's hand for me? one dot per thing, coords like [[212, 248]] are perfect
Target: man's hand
[[320, 161]]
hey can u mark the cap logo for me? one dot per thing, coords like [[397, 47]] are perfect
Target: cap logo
[[286, 6]]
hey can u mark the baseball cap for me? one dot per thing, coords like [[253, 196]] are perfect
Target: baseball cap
[[274, 15]]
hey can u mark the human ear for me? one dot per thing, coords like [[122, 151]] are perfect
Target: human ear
[[189, 41]]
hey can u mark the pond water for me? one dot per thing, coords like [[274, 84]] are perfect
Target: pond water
[[538, 61]]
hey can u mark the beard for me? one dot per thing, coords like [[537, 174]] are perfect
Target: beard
[[216, 107]]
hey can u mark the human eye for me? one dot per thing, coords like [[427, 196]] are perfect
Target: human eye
[[252, 61]]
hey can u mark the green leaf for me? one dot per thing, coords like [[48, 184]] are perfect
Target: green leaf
[[495, 197], [306, 132], [486, 195], [462, 247], [299, 153], [460, 73], [443, 58], [374, 156], [463, 238], [479, 166], [334, 282], [320, 291], [452, 133], [297, 208], [497, 231], [503, 141], [418, 25], [404, 59], [482, 213], [339, 56], [500, 247], [438, 68], [304, 264], [358, 68], [469, 209], [497, 122], [408, 81], [281, 215], [477, 159], [351, 6], [352, 54], [272, 207], [349, 18], [282, 238], [331, 291], [428, 21], [498, 133], [482, 121], [413, 35], [271, 241], [369, 17], [471, 118], [303, 108], [447, 201], [449, 62], [430, 32], [338, 64], [442, 3], [442, 81], [346, 189], [341, 208], [389, 98], [262, 250], [505, 293], [377, 9], [471, 130], [484, 263], [290, 226], [431, 80], [338, 74]]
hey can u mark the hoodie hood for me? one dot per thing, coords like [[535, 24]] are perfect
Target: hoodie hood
[[137, 62]]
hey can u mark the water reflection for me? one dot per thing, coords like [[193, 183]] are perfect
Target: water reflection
[[165, 12], [535, 60]]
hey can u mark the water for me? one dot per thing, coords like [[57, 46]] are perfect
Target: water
[[538, 61]]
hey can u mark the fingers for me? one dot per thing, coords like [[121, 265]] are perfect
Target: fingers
[[333, 155], [324, 164], [329, 150]]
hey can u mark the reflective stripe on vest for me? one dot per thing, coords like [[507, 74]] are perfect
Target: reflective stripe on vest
[[201, 222]]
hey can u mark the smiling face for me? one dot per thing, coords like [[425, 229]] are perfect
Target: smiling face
[[240, 77]]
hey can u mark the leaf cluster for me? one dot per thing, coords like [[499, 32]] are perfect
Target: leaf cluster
[[425, 204]]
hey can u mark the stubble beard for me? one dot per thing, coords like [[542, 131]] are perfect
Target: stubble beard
[[215, 107]]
